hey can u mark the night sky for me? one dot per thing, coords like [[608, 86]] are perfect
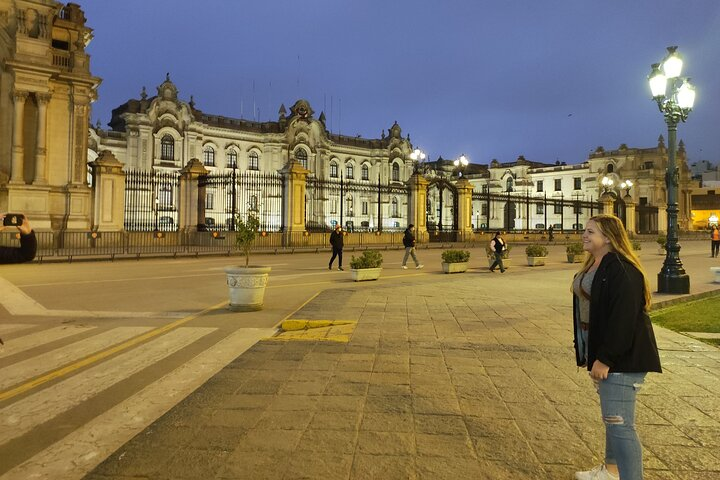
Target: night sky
[[550, 80]]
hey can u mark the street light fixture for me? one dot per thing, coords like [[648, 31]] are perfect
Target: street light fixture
[[626, 185], [460, 164], [607, 184], [417, 156], [675, 97]]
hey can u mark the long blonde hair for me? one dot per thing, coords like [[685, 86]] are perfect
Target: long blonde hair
[[613, 229]]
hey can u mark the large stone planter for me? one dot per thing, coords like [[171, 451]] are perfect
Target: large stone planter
[[456, 267], [716, 271], [246, 287], [364, 274], [575, 257], [661, 251], [536, 261]]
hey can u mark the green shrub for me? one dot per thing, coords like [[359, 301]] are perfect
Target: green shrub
[[575, 248], [368, 259], [536, 251], [455, 256], [245, 233], [636, 245], [662, 241]]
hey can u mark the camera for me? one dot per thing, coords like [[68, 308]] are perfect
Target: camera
[[13, 219]]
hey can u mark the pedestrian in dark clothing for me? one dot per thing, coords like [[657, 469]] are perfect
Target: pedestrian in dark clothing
[[409, 244], [336, 240], [498, 246], [551, 233], [614, 340], [28, 245], [714, 241]]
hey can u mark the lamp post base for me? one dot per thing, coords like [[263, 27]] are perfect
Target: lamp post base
[[677, 283]]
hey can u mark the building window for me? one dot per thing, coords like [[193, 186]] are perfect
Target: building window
[[484, 209], [484, 188], [209, 201], [165, 196], [253, 161], [395, 207], [349, 171], [333, 170], [610, 168], [167, 148], [577, 183], [540, 186], [558, 209], [509, 184], [334, 206], [558, 184], [253, 203], [577, 209], [209, 157], [232, 159], [396, 172], [364, 208], [349, 205], [539, 209], [365, 172], [302, 157]]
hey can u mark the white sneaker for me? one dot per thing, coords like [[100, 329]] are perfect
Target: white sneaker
[[597, 473], [404, 267], [419, 266]]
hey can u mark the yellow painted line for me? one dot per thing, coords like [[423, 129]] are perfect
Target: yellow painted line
[[296, 324], [102, 354]]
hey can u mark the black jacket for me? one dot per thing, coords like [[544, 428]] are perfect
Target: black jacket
[[337, 239], [408, 239], [620, 335], [24, 253]]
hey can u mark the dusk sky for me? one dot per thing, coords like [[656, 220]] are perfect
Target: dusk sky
[[550, 80]]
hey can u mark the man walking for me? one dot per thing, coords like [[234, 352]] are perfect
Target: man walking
[[336, 240], [409, 243], [498, 246]]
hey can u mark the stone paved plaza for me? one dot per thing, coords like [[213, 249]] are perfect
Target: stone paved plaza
[[459, 377]]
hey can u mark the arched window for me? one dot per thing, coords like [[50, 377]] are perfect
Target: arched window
[[165, 196], [349, 205], [610, 168], [253, 203], [333, 169], [232, 159], [365, 172], [302, 157], [167, 148], [396, 172], [253, 161], [209, 156], [349, 171], [509, 184], [394, 207]]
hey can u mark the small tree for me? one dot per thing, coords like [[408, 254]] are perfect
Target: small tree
[[245, 233]]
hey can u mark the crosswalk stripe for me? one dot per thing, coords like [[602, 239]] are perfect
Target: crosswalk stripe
[[82, 450], [26, 369], [24, 415], [26, 342], [14, 327]]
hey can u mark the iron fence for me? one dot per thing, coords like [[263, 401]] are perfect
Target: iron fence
[[151, 200]]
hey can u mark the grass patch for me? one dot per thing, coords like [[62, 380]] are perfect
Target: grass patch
[[697, 316]]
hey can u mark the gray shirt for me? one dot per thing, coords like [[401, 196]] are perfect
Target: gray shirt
[[584, 281]]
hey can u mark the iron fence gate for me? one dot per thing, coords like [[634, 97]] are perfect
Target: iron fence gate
[[151, 200], [222, 196]]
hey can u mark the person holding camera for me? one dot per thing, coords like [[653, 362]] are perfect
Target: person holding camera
[[28, 243]]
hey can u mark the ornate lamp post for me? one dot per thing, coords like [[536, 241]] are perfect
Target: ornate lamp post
[[418, 156], [460, 164], [607, 184], [675, 97], [626, 185]]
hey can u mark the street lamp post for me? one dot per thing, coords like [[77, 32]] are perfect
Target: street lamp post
[[675, 97], [626, 185], [460, 164], [418, 157]]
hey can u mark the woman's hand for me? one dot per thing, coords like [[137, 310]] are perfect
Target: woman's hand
[[599, 370]]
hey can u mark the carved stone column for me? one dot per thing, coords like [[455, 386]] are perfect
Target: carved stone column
[[188, 217], [464, 206], [630, 225], [417, 204], [18, 148], [80, 134], [41, 153], [108, 193], [608, 201], [294, 202]]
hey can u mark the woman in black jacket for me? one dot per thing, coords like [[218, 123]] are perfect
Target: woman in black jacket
[[28, 245], [614, 339]]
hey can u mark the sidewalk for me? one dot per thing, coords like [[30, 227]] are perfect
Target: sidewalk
[[444, 379]]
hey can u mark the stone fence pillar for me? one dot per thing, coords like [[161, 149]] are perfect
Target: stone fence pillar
[[464, 206], [417, 204], [293, 214], [608, 201], [191, 204], [108, 193], [630, 222]]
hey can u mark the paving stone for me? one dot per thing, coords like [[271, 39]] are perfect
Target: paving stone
[[386, 443], [387, 422], [336, 421], [318, 466], [284, 420], [444, 445], [243, 465], [270, 440], [331, 441], [382, 467]]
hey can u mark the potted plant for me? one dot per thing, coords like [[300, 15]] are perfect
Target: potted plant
[[662, 244], [246, 285], [636, 245], [455, 261], [505, 255], [367, 266], [575, 252], [536, 254]]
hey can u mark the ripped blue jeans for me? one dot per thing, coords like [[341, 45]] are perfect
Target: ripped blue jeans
[[617, 402]]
